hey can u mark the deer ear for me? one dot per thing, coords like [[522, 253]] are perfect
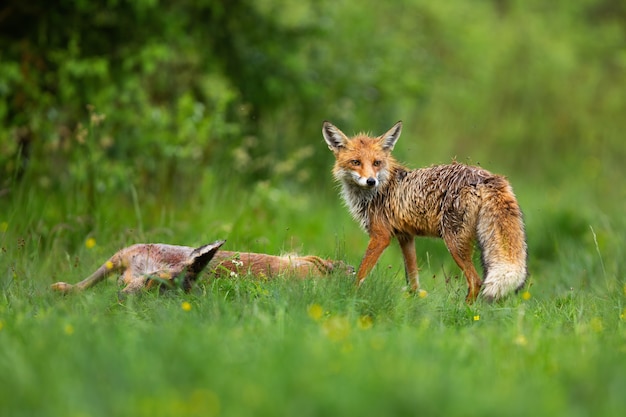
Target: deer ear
[[334, 137], [390, 138]]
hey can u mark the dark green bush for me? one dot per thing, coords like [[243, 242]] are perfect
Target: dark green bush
[[159, 93]]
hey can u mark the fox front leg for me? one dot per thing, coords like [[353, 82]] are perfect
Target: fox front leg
[[376, 246]]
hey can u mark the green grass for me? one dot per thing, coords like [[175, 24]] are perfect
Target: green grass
[[313, 347]]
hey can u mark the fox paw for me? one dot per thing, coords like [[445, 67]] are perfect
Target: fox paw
[[62, 287]]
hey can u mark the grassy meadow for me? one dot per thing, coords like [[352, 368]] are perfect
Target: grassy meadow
[[189, 122], [314, 347]]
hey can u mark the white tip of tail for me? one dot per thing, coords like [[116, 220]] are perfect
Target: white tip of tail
[[502, 280]]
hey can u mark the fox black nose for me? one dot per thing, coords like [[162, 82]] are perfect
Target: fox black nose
[[371, 181]]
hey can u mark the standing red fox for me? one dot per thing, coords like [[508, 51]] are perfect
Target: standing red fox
[[456, 202]]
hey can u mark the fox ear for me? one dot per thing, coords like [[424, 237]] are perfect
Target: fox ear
[[202, 255], [390, 138], [334, 137]]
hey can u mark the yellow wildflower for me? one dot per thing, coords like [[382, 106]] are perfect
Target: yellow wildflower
[[521, 340], [364, 322], [315, 311], [347, 348], [596, 324], [90, 243], [108, 265], [186, 306], [526, 295], [336, 328], [201, 402], [377, 343], [476, 317], [422, 293]]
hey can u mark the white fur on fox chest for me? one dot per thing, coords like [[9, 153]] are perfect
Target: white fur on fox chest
[[357, 199]]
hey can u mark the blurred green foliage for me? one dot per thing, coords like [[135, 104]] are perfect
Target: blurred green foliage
[[157, 94], [185, 121]]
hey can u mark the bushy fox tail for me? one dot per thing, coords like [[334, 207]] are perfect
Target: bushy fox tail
[[501, 236]]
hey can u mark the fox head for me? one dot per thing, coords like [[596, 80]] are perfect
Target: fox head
[[362, 160]]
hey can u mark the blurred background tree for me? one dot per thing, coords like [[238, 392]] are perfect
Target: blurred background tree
[[158, 94]]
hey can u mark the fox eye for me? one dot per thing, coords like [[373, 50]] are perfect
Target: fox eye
[[377, 163], [355, 162]]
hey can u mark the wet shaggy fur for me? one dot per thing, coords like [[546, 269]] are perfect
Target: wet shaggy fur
[[259, 265], [459, 203], [143, 265]]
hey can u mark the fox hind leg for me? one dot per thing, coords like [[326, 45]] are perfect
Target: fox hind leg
[[411, 271], [112, 265], [461, 249], [136, 285]]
